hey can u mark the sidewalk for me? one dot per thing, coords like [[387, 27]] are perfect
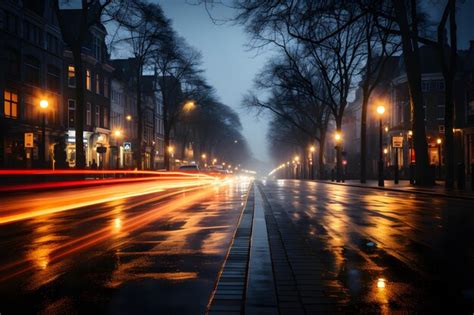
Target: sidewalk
[[270, 269], [405, 186]]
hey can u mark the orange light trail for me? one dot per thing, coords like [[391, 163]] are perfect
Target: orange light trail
[[193, 195], [17, 208]]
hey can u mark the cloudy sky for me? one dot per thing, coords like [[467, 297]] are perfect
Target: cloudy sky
[[231, 68]]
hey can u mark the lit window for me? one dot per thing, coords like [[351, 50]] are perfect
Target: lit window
[[97, 84], [88, 80], [71, 76], [10, 104]]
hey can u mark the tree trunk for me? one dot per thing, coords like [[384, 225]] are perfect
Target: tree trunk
[[79, 119], [363, 138], [138, 152], [339, 150], [322, 146], [449, 78], [166, 131], [412, 67]]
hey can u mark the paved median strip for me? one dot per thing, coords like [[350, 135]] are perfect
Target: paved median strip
[[229, 294]]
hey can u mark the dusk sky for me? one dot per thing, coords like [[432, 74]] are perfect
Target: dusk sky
[[230, 67]]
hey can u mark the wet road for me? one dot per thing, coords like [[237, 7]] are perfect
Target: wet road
[[388, 251], [122, 250]]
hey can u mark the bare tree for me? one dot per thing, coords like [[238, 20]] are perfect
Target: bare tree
[[178, 65], [144, 30], [75, 25]]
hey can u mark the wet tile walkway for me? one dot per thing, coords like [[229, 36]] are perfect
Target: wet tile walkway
[[270, 268]]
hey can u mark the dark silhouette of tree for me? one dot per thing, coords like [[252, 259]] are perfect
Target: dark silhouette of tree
[[143, 29]]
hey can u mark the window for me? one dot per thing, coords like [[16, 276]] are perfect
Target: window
[[13, 64], [97, 48], [88, 114], [440, 112], [52, 81], [106, 118], [97, 116], [106, 87], [71, 76], [425, 86], [88, 80], [52, 43], [97, 83], [32, 33], [11, 22], [32, 70], [10, 104], [71, 116], [470, 109]]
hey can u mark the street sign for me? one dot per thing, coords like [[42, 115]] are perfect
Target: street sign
[[127, 146], [29, 140], [397, 141], [441, 128]]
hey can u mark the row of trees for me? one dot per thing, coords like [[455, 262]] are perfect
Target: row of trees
[[139, 29], [325, 49]]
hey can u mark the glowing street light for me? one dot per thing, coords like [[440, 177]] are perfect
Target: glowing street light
[[439, 142], [117, 135], [128, 117], [380, 112], [43, 105], [189, 106], [312, 149]]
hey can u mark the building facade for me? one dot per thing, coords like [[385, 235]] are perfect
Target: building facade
[[32, 71], [97, 74]]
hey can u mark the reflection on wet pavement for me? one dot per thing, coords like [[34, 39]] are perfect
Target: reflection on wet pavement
[[391, 251], [135, 253]]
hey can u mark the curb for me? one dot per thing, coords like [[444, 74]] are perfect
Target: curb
[[400, 190]]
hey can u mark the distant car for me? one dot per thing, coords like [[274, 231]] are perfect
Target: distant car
[[190, 168]]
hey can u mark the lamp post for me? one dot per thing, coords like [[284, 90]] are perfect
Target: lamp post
[[311, 150], [117, 135], [204, 161], [297, 172], [44, 105], [380, 112], [439, 142], [338, 139], [412, 166]]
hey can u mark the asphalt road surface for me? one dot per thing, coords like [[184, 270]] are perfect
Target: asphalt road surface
[[120, 250], [127, 250], [389, 251]]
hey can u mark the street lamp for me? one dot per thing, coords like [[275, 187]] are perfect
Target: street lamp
[[312, 150], [410, 152], [338, 139], [44, 105], [380, 112], [189, 106], [117, 135], [439, 142]]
